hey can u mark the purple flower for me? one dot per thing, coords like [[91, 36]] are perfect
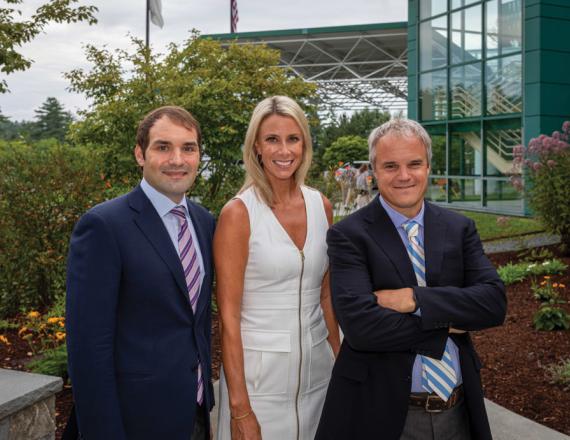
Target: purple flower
[[556, 135], [566, 127], [536, 166], [551, 163]]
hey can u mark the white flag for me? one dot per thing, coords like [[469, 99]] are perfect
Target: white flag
[[155, 7]]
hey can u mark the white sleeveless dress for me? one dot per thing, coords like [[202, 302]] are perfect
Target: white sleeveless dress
[[287, 357]]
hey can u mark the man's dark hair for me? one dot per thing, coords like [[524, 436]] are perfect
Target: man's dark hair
[[176, 114]]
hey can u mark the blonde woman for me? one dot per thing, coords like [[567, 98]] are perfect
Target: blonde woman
[[279, 334]]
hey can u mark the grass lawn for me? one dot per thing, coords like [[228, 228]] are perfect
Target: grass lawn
[[492, 226]]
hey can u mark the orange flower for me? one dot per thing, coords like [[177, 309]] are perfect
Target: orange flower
[[60, 335], [546, 277], [33, 314], [555, 285], [562, 286], [4, 340], [22, 330], [53, 320], [543, 283]]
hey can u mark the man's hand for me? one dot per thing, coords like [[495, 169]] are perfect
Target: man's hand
[[399, 300]]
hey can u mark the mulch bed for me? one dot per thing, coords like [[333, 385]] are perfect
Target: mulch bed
[[514, 357]]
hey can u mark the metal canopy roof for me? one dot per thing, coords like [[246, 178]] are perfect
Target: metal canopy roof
[[354, 66]]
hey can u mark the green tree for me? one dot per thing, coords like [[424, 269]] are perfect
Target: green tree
[[359, 123], [219, 85], [52, 121], [346, 149], [15, 31]]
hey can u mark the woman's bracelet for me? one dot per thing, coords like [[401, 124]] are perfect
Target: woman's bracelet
[[243, 416]]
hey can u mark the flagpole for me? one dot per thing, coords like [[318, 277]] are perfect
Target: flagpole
[[147, 22]]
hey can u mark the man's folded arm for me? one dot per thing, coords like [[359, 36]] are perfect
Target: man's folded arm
[[366, 325], [93, 281], [481, 302]]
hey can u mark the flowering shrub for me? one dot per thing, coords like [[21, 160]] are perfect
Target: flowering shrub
[[44, 188], [545, 163], [42, 333], [547, 290]]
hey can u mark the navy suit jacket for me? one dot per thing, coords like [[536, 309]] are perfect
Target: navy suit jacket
[[371, 380], [133, 342]]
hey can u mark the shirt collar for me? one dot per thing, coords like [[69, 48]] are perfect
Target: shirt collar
[[399, 219], [161, 203]]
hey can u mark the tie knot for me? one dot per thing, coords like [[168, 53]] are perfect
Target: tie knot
[[412, 228], [179, 212]]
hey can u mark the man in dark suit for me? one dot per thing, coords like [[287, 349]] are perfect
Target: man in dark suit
[[409, 280], [138, 297]]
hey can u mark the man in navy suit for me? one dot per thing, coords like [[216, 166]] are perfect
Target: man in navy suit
[[138, 297], [409, 280]]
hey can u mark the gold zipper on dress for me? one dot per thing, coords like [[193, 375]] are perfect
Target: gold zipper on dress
[[300, 344]]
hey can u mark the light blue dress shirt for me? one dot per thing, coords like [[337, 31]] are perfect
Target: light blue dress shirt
[[163, 206], [398, 220]]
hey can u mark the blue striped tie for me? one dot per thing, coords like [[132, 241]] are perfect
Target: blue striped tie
[[438, 376]]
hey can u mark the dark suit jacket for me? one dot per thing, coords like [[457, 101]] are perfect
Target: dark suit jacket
[[371, 380], [133, 341]]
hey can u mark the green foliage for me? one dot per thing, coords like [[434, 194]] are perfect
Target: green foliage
[[52, 362], [219, 85], [52, 121], [360, 123], [560, 373], [546, 162], [7, 325], [346, 149], [15, 31], [549, 317], [44, 189], [535, 254], [512, 273]]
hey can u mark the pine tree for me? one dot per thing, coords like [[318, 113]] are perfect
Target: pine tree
[[52, 121]]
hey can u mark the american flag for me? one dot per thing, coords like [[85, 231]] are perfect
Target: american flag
[[234, 15]]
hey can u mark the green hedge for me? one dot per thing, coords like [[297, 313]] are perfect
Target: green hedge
[[44, 189]]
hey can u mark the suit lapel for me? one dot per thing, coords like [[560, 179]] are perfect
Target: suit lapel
[[151, 225], [205, 250], [383, 232], [434, 240]]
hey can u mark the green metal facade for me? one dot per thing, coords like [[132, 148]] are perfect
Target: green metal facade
[[485, 76]]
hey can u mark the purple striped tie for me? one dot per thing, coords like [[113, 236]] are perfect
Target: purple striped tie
[[189, 260]]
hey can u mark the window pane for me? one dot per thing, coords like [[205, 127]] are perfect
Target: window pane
[[433, 95], [437, 190], [459, 3], [502, 196], [433, 43], [499, 144], [429, 8], [466, 35], [466, 90], [438, 160], [504, 85], [465, 153], [504, 24], [465, 192]]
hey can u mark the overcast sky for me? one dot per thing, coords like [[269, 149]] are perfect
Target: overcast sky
[[60, 49]]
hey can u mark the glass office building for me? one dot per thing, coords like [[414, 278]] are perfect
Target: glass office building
[[473, 89]]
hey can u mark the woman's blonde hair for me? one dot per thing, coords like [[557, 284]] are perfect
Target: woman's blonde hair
[[255, 176]]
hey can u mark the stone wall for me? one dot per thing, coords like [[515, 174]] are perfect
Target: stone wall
[[27, 405]]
